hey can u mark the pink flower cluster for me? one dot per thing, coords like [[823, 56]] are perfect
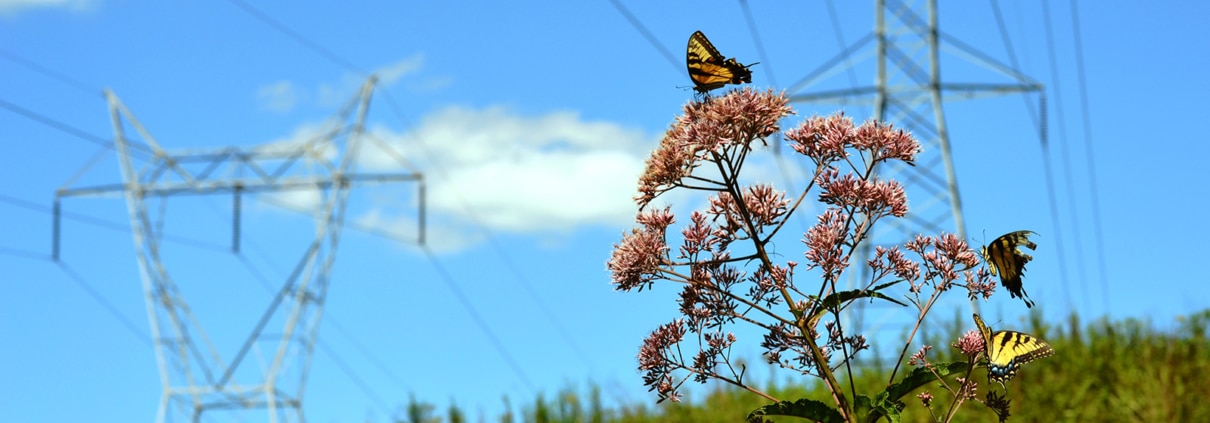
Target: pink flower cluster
[[655, 362], [942, 257], [705, 129], [970, 344], [725, 258], [636, 260], [872, 196], [828, 139]]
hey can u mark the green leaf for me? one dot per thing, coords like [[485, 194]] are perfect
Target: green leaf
[[889, 403], [886, 285], [871, 410], [835, 300], [804, 408], [921, 376]]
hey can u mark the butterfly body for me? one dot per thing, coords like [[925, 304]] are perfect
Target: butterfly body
[[709, 69], [1007, 350], [1005, 259]]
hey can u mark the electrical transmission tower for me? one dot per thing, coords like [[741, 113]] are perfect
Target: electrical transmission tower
[[908, 91], [194, 376]]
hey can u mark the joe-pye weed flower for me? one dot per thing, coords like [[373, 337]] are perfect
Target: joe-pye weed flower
[[721, 258]]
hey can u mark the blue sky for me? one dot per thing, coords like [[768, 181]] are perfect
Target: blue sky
[[534, 119]]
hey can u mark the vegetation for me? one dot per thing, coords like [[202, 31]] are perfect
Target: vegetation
[[726, 262], [1102, 371], [724, 258]]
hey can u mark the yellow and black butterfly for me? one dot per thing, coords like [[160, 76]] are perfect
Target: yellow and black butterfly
[[1007, 350], [1005, 259], [709, 69]]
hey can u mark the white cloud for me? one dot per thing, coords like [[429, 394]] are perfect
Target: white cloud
[[13, 7], [310, 165], [283, 96], [542, 176], [302, 137], [337, 94], [522, 174], [390, 74], [305, 200], [432, 84], [279, 96], [329, 95], [441, 235]]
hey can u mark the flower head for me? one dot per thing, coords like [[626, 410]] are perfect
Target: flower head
[[654, 359], [998, 404], [735, 119], [971, 343], [823, 139], [919, 359], [636, 259], [925, 398], [870, 196], [885, 142], [825, 243]]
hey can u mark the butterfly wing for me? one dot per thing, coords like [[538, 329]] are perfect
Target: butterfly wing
[[1012, 350], [1005, 259], [709, 69], [987, 334], [1007, 350]]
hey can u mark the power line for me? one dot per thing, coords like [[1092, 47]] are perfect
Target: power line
[[499, 249], [16, 252], [75, 276], [841, 44], [132, 327], [303, 40], [50, 73], [646, 33], [101, 223], [1063, 151], [51, 122], [462, 298], [1088, 144], [479, 320], [260, 276], [67, 128], [59, 125], [109, 307], [391, 151], [297, 37], [328, 318], [83, 284], [335, 58], [760, 46], [1040, 125], [357, 380], [1004, 36], [374, 360]]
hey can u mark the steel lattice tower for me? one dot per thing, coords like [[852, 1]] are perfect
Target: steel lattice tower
[[909, 92], [194, 376]]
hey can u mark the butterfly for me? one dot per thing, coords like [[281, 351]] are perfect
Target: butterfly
[[1007, 350], [1005, 259], [709, 69]]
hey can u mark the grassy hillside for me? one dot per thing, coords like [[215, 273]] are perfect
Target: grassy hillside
[[1102, 371]]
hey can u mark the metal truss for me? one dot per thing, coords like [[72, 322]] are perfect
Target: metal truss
[[194, 376], [909, 92]]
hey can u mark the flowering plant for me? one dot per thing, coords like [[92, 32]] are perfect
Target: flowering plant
[[728, 273]]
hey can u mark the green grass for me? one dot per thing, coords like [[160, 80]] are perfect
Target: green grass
[[1101, 371]]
